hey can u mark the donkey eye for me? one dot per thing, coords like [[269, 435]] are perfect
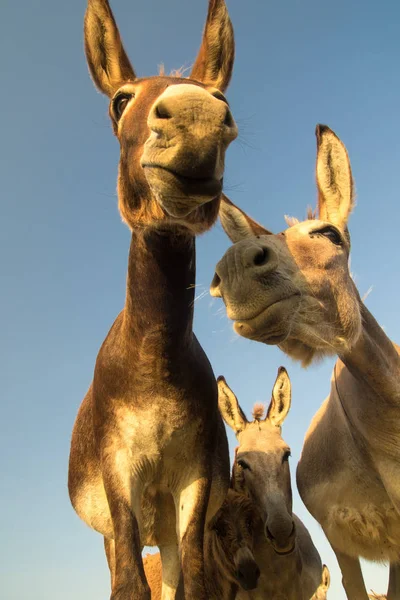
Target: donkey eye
[[286, 456], [119, 104], [217, 94], [332, 234], [243, 464]]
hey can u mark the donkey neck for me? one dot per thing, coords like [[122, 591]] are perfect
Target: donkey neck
[[160, 288], [374, 361]]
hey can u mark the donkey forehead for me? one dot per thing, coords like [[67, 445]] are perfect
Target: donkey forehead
[[261, 437], [157, 85]]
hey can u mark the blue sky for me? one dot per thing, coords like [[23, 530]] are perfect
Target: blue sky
[[64, 248]]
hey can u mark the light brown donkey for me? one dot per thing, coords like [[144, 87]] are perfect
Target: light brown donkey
[[149, 456], [296, 291], [290, 565], [228, 552]]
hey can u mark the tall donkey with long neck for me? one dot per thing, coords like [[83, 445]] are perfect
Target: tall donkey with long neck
[[149, 457], [296, 291]]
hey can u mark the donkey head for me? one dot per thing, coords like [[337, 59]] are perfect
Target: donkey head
[[173, 132], [232, 528], [261, 468], [294, 289]]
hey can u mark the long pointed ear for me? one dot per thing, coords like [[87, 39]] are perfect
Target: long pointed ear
[[334, 178], [236, 224], [108, 63], [229, 407], [214, 62], [281, 398], [326, 578]]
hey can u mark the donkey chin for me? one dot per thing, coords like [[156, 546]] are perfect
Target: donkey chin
[[179, 195]]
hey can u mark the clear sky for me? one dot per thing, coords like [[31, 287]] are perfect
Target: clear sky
[[64, 249]]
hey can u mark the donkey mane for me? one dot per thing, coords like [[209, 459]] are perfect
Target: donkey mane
[[258, 411]]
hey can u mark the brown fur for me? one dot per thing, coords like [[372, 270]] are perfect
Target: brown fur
[[296, 291], [228, 537], [149, 461]]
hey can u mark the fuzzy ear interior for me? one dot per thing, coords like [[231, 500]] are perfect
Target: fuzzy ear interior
[[326, 577], [334, 178], [108, 62], [214, 62], [236, 224], [229, 407], [281, 398]]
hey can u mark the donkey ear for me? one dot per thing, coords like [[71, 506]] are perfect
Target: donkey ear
[[214, 62], [334, 178], [326, 578], [236, 224], [229, 407], [281, 398], [108, 63]]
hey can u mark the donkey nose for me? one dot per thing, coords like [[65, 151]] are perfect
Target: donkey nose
[[190, 107], [282, 535]]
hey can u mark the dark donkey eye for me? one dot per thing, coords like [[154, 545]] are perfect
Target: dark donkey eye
[[243, 464], [332, 234], [119, 104]]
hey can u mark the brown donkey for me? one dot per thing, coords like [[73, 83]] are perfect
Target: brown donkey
[[228, 552], [296, 291], [290, 565], [149, 456]]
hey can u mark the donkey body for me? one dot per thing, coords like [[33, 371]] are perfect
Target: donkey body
[[290, 565], [228, 552], [297, 292], [149, 457]]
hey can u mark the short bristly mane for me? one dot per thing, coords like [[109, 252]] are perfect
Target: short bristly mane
[[311, 216], [258, 411]]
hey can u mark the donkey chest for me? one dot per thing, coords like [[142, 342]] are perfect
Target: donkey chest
[[155, 439], [362, 522]]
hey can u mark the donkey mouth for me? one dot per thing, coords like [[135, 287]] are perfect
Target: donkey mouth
[[169, 184], [270, 325]]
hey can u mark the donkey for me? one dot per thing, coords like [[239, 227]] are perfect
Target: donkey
[[228, 552], [149, 456], [290, 564], [296, 291]]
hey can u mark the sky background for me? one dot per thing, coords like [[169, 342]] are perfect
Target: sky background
[[64, 249]]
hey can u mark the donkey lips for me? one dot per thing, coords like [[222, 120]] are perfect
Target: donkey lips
[[188, 186]]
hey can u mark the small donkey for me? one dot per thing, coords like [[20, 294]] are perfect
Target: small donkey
[[228, 552], [290, 565], [149, 461]]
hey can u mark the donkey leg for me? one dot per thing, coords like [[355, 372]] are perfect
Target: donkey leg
[[129, 578], [171, 570], [191, 511], [109, 547], [352, 578], [393, 592]]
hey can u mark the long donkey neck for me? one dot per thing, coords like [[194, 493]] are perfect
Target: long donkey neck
[[374, 360], [160, 290]]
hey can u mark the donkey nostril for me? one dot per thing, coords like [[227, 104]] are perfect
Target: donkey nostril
[[215, 282], [258, 573], [269, 534], [261, 257], [228, 121], [161, 111]]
